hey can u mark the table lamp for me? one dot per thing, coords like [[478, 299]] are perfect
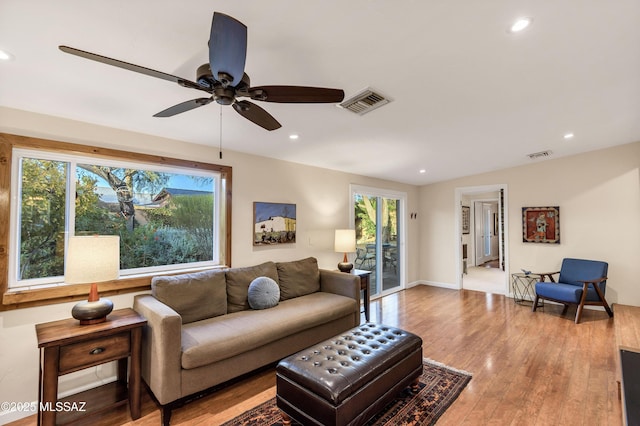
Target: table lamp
[[92, 259], [345, 242]]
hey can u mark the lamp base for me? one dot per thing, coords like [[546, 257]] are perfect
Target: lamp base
[[92, 312], [345, 266]]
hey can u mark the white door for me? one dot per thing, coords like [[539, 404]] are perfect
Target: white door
[[486, 231]]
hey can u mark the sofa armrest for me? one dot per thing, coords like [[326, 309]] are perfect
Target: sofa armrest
[[340, 283], [161, 348]]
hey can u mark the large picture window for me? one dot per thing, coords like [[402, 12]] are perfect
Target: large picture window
[[169, 217]]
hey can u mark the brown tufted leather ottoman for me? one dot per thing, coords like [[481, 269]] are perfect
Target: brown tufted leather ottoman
[[347, 379]]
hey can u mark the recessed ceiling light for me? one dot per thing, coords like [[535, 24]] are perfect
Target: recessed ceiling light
[[568, 135], [5, 56], [294, 136], [520, 24], [423, 171]]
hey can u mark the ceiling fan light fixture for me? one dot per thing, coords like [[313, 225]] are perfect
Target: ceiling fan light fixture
[[520, 25], [568, 135], [294, 136]]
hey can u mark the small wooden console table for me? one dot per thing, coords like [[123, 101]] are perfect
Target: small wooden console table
[[364, 286], [66, 346]]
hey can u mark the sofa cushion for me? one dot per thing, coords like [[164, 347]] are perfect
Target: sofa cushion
[[263, 293], [298, 277], [238, 280], [194, 296], [219, 338]]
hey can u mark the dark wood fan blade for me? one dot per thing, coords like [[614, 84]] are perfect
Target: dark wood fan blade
[[183, 107], [132, 67], [296, 94], [227, 49], [254, 113]]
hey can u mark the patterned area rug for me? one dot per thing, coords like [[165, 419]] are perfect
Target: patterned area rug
[[439, 387]]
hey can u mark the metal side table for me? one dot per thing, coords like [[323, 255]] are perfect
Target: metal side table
[[523, 287]]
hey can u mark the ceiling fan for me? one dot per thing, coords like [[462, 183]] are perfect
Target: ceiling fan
[[224, 77]]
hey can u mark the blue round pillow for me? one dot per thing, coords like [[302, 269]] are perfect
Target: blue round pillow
[[263, 293]]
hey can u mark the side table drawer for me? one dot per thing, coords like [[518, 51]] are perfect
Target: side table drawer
[[93, 352]]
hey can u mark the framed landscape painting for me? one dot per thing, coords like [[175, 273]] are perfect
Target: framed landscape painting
[[274, 223], [541, 225]]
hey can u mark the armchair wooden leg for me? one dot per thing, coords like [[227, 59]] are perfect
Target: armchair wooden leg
[[581, 305], [535, 304], [603, 300]]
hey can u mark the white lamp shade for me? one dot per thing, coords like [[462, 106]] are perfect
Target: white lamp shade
[[92, 259], [345, 241]]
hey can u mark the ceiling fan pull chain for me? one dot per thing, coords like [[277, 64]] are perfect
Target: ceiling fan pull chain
[[220, 141]]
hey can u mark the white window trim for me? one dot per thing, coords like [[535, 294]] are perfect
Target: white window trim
[[18, 153]]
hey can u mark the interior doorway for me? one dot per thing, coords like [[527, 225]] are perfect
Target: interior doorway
[[481, 238]]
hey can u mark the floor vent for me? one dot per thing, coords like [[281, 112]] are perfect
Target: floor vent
[[364, 102], [541, 154]]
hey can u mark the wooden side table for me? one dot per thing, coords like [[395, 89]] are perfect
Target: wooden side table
[[364, 286], [66, 346]]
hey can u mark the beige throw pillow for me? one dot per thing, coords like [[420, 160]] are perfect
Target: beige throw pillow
[[238, 280], [298, 278], [194, 296]]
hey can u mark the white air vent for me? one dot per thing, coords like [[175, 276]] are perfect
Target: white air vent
[[540, 154], [364, 102]]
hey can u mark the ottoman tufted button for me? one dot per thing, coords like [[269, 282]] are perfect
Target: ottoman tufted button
[[355, 358], [330, 358], [366, 351], [342, 352], [328, 347], [317, 363]]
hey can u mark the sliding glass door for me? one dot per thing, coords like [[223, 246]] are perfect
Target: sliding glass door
[[378, 220]]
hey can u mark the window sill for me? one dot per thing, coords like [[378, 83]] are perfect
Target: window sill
[[17, 298]]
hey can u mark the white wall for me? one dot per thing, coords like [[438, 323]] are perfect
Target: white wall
[[322, 204], [599, 198]]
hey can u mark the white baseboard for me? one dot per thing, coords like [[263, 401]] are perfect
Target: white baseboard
[[435, 284]]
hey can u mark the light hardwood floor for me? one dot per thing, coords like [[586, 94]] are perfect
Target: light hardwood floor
[[529, 368]]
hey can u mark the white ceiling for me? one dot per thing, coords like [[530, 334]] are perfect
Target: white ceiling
[[468, 96]]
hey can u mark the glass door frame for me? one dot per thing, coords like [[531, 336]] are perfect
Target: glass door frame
[[402, 235]]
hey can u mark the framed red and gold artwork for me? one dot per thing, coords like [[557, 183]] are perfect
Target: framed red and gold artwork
[[541, 225]]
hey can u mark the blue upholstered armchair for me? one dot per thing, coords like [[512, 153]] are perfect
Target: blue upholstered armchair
[[581, 282]]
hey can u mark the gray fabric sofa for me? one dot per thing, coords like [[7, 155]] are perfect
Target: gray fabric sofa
[[201, 330]]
